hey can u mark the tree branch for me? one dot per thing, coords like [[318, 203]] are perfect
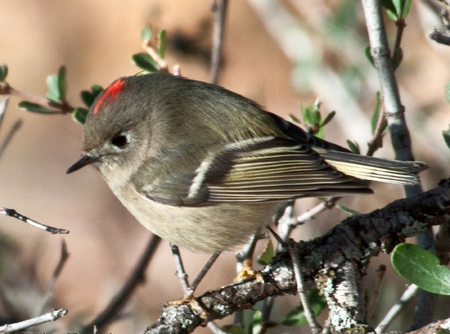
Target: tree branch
[[355, 240]]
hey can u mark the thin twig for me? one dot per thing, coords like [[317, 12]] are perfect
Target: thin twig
[[244, 253], [181, 273], [47, 317], [149, 48], [63, 108], [401, 25], [190, 291], [120, 299], [16, 126], [409, 293], [215, 328], [286, 224], [376, 141], [219, 9], [376, 293], [309, 314], [442, 35], [51, 283], [13, 213]]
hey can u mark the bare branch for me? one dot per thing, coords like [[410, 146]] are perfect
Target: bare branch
[[409, 293], [219, 10], [13, 213], [120, 299], [16, 126], [299, 281], [47, 317], [51, 283]]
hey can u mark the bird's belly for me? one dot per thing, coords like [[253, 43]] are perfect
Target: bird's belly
[[204, 229]]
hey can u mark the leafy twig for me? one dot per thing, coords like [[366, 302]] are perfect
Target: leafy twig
[[401, 140], [63, 108]]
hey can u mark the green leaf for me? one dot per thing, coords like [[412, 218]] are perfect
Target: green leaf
[[328, 118], [146, 34], [62, 83], [348, 211], [369, 55], [320, 133], [145, 62], [296, 317], [390, 8], [376, 113], [446, 135], [162, 43], [266, 257], [3, 72], [344, 16], [447, 91], [256, 323], [315, 116], [420, 267], [311, 115], [354, 147], [397, 9], [306, 115], [89, 97], [37, 108], [406, 8], [233, 329], [294, 119], [79, 115], [57, 86], [53, 89]]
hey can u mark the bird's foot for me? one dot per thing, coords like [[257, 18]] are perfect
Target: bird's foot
[[248, 272]]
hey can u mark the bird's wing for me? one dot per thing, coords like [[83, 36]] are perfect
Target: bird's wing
[[259, 170]]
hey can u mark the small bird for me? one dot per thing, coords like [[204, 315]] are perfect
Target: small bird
[[205, 168]]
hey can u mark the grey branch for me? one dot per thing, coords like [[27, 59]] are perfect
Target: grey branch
[[13, 213], [47, 317]]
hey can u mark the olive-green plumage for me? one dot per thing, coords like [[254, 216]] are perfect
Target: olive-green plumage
[[205, 168]]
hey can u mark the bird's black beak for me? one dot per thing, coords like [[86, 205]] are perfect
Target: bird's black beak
[[84, 161]]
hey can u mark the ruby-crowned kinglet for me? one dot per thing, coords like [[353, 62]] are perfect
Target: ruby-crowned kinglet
[[206, 168]]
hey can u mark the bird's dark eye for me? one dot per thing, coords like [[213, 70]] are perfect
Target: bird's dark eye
[[120, 140]]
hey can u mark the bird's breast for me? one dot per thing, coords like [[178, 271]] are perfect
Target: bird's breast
[[204, 229]]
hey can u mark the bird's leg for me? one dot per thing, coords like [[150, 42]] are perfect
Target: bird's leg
[[189, 293], [188, 297], [245, 262], [189, 290]]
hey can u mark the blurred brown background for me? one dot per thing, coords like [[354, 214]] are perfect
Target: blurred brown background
[[316, 50]]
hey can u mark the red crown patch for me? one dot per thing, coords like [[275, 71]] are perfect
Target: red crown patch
[[109, 94]]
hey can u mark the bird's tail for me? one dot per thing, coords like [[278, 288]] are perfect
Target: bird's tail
[[375, 169]]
